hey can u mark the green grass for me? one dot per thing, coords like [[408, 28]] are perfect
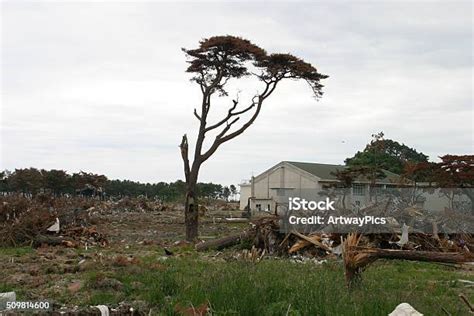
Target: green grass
[[273, 287], [6, 288], [15, 251]]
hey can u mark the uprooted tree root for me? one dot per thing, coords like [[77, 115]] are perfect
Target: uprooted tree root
[[357, 258], [354, 262]]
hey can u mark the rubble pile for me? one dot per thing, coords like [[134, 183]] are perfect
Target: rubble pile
[[265, 237], [65, 220], [265, 234], [139, 204], [48, 220]]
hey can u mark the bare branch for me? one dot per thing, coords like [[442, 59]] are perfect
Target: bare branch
[[265, 94], [228, 126], [207, 92], [260, 98], [244, 127], [222, 138], [230, 114], [184, 154], [244, 110], [197, 115]]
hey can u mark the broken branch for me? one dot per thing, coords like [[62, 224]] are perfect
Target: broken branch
[[224, 242]]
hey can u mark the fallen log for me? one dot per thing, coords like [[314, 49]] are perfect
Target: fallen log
[[225, 242], [466, 301], [40, 240], [231, 220], [357, 258], [413, 255], [236, 220]]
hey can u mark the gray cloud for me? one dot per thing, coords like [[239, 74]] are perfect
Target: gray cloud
[[101, 86]]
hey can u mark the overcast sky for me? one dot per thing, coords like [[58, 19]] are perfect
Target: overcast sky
[[101, 87]]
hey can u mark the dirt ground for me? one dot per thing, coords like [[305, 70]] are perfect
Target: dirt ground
[[56, 273], [147, 264], [160, 227]]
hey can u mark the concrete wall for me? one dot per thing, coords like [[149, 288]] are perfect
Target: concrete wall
[[245, 193], [274, 186]]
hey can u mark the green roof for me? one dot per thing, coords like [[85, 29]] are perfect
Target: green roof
[[325, 171]]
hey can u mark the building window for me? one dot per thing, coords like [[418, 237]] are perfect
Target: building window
[[377, 190], [269, 208], [358, 189], [258, 207]]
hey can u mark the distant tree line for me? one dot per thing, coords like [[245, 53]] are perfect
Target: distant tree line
[[58, 182]]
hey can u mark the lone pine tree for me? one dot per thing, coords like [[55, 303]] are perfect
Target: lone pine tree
[[217, 61]]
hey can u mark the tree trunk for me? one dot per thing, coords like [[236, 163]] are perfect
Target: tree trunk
[[191, 213], [429, 256], [191, 204]]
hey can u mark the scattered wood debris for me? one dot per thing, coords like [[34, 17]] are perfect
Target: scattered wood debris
[[49, 221], [358, 251]]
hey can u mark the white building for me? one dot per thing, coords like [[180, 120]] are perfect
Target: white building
[[271, 189]]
